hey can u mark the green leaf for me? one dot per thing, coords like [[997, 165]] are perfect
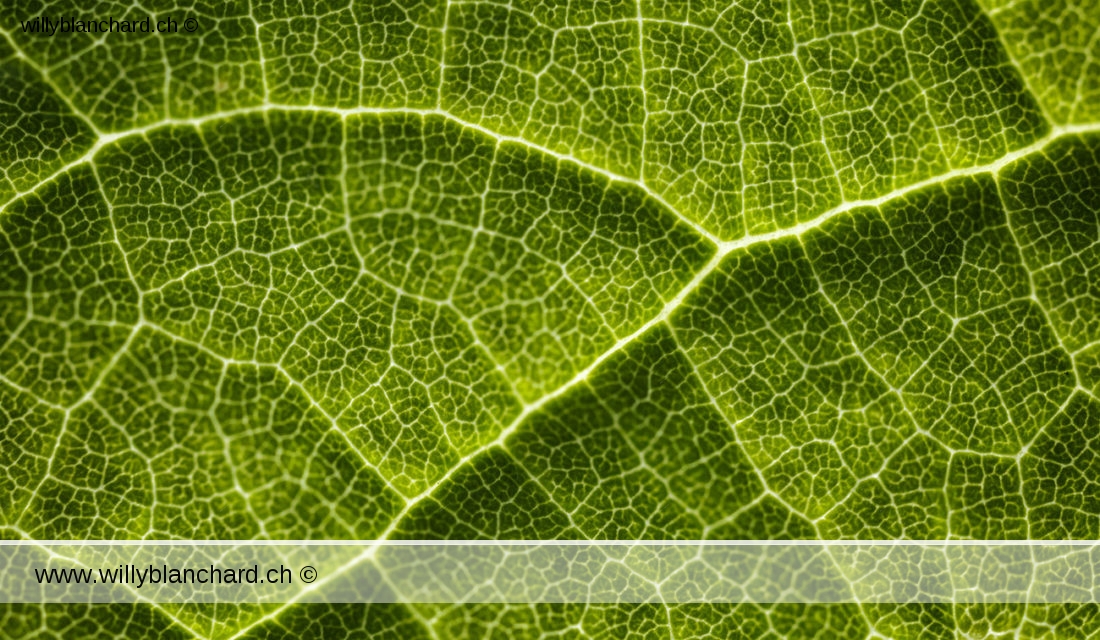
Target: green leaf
[[593, 270]]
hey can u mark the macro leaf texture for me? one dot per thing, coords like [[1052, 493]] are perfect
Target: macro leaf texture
[[587, 269]]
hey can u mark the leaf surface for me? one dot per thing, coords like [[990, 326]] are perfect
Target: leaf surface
[[594, 270]]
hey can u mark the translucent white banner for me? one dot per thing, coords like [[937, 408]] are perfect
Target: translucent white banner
[[550, 572]]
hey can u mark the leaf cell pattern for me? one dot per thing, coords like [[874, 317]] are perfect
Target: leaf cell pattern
[[600, 270]]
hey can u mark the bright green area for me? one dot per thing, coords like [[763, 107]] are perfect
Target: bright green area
[[1057, 49], [594, 270]]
